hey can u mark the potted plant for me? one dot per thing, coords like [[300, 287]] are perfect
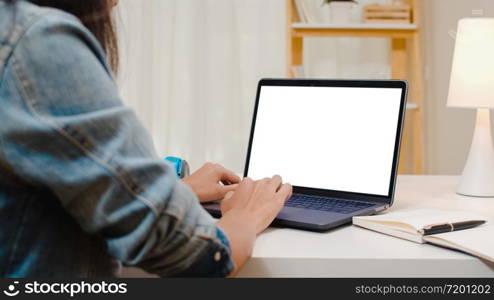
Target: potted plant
[[340, 10]]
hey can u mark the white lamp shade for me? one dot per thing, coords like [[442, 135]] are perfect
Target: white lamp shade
[[472, 76]]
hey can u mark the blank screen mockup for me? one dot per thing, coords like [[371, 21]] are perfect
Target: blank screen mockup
[[332, 138]]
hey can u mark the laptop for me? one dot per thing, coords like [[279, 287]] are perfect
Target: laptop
[[336, 141]]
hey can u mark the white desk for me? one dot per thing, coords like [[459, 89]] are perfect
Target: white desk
[[354, 252]]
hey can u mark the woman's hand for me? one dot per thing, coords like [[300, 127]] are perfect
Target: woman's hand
[[212, 182], [258, 202], [249, 211]]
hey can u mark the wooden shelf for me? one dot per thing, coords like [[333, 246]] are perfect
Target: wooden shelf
[[362, 26], [405, 61], [354, 30]]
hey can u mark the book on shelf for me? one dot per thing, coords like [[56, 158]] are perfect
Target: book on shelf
[[387, 14]]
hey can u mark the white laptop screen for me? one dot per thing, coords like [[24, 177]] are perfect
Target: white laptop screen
[[333, 138]]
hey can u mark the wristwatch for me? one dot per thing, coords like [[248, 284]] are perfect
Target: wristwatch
[[180, 166]]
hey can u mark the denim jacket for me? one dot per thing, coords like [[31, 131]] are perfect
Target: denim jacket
[[81, 189]]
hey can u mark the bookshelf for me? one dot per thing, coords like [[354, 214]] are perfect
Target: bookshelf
[[405, 61], [361, 27]]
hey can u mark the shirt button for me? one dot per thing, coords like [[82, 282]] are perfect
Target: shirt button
[[217, 256]]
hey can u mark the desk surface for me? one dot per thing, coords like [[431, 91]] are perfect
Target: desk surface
[[355, 252]]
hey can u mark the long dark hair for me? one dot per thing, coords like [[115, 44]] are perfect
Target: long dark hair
[[97, 16]]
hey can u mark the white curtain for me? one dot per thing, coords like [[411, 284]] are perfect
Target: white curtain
[[190, 69]]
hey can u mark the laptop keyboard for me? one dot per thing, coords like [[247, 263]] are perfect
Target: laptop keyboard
[[326, 204]]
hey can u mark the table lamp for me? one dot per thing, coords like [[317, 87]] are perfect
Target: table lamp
[[472, 86]]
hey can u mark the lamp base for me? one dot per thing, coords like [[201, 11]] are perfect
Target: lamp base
[[478, 176]]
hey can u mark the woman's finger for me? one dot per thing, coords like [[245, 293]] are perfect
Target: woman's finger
[[226, 203], [225, 189], [279, 200], [227, 176], [228, 196], [284, 193], [246, 187], [275, 183]]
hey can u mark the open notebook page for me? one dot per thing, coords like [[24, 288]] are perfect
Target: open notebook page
[[421, 218], [478, 241]]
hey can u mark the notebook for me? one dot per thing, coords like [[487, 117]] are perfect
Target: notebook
[[407, 225]]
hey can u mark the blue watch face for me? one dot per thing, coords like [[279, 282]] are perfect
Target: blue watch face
[[181, 166], [177, 164]]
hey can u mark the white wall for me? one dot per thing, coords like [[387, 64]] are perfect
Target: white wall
[[190, 69], [448, 130], [191, 66]]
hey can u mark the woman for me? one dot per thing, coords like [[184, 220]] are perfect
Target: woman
[[81, 188]]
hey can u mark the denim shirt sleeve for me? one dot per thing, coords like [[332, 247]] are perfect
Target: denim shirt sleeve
[[70, 133]]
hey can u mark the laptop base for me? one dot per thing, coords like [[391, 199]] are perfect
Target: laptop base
[[307, 219]]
